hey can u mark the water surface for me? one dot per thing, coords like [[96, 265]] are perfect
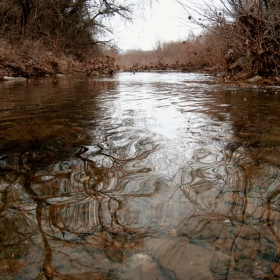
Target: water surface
[[145, 176]]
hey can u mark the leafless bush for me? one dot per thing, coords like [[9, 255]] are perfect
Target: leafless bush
[[248, 30]]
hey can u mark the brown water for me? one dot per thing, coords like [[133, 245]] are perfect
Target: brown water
[[146, 176]]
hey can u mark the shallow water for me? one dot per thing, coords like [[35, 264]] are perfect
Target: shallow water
[[145, 176]]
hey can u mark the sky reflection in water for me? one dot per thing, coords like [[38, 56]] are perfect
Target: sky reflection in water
[[146, 176]]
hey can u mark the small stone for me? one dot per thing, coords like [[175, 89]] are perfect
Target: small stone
[[250, 253], [149, 266], [240, 243], [74, 256], [220, 262], [105, 262], [173, 232], [238, 255], [87, 178], [16, 79], [255, 79], [129, 245]]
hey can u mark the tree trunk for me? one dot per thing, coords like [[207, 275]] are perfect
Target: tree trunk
[[25, 9]]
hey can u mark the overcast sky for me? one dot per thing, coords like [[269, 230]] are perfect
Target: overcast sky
[[165, 21]]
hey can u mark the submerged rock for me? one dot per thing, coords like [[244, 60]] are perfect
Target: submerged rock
[[139, 266], [135, 261], [221, 263], [182, 260]]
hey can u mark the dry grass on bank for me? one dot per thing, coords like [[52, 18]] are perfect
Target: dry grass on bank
[[201, 52], [32, 58]]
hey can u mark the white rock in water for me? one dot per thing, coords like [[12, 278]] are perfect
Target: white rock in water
[[139, 266], [7, 78], [135, 261], [255, 79]]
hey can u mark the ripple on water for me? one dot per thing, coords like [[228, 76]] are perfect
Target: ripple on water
[[158, 175]]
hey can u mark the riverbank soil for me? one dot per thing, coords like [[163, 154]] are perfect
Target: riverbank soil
[[33, 59]]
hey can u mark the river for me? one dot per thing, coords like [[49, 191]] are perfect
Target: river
[[145, 176]]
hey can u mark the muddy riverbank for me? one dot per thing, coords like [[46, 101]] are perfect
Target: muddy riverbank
[[38, 63]]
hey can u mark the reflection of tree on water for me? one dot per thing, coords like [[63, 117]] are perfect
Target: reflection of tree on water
[[204, 204], [229, 220], [233, 185], [87, 199], [67, 207]]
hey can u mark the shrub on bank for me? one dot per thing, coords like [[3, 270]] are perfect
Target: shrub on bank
[[249, 33]]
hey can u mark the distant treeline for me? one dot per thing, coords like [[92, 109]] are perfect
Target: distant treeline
[[201, 52]]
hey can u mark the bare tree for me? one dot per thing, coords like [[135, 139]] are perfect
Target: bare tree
[[73, 25]]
